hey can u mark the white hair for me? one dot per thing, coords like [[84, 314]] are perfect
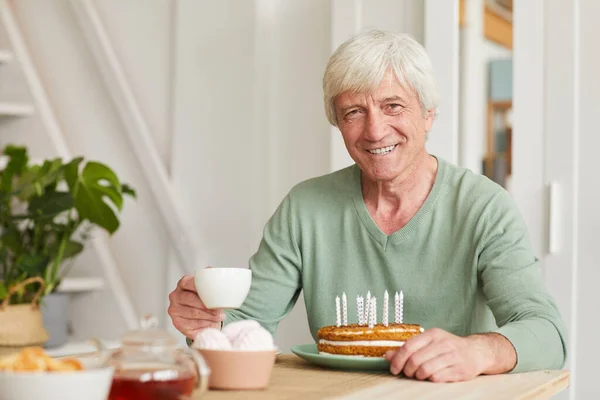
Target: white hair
[[360, 63]]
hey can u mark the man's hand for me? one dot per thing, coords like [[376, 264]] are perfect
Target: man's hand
[[188, 313], [440, 356]]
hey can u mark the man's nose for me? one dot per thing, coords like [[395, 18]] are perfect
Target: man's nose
[[375, 127]]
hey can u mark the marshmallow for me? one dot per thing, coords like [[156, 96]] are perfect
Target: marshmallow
[[247, 335], [233, 330], [212, 339], [254, 339]]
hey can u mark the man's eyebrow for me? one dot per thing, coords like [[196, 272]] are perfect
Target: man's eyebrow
[[392, 98], [346, 108]]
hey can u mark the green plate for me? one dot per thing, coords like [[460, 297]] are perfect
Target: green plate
[[310, 353]]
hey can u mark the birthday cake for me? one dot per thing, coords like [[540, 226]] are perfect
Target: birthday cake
[[362, 340], [367, 338]]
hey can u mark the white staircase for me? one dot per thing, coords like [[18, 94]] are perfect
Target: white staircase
[[64, 99], [11, 105], [25, 110]]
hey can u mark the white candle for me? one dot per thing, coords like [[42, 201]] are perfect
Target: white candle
[[367, 307], [386, 300], [396, 308], [401, 307], [373, 313], [337, 311], [360, 311], [344, 309]]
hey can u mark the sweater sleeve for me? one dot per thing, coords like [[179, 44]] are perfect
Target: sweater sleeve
[[525, 312], [276, 273]]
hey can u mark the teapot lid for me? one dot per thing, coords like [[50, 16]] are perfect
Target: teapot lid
[[148, 335]]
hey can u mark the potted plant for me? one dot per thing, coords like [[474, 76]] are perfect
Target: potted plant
[[46, 214]]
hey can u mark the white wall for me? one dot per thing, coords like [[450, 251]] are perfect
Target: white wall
[[475, 53], [587, 348], [556, 95], [142, 35], [249, 121]]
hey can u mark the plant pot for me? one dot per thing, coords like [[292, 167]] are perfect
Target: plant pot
[[21, 325], [55, 313]]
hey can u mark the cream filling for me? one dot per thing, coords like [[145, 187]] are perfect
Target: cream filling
[[362, 332], [373, 343], [346, 355]]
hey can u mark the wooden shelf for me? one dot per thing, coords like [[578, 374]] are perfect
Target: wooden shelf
[[497, 27], [5, 56], [78, 285], [497, 21], [14, 109]]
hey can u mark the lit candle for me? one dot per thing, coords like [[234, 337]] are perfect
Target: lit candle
[[401, 307], [373, 312], [360, 312], [367, 307], [386, 300], [344, 309], [397, 308], [337, 311]]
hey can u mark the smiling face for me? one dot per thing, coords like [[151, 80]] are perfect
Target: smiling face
[[385, 130]]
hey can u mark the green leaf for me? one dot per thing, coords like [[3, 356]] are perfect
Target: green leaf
[[15, 152], [90, 205], [97, 185], [50, 173], [17, 163], [32, 264], [72, 174], [104, 182], [95, 172], [128, 190], [11, 240], [51, 204], [71, 250], [39, 179]]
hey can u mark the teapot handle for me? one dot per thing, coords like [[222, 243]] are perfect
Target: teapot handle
[[203, 371]]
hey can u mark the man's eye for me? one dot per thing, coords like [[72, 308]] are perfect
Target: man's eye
[[395, 106], [351, 113]]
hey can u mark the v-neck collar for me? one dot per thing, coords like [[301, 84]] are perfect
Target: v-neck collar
[[404, 232]]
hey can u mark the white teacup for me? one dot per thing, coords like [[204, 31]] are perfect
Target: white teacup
[[224, 288]]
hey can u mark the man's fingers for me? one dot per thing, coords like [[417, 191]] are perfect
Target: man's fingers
[[190, 299], [420, 357], [449, 374], [434, 365], [439, 345], [191, 327], [187, 283], [188, 312], [412, 345]]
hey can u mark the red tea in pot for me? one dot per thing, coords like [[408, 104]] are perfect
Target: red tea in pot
[[150, 385]]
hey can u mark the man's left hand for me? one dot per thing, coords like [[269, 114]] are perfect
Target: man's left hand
[[440, 356]]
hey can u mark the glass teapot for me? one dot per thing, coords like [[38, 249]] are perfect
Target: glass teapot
[[151, 365]]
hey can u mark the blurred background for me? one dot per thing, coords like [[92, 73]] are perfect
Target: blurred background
[[212, 111]]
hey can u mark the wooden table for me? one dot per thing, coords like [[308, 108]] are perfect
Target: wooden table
[[294, 378]]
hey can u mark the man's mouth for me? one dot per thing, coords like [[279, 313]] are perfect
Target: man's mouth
[[382, 150]]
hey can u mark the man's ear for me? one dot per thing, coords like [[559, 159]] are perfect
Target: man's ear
[[429, 117]]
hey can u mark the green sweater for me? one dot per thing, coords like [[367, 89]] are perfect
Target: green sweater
[[464, 263]]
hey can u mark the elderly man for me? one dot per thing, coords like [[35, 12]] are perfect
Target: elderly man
[[400, 218]]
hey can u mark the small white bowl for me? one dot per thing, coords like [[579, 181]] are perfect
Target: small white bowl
[[92, 383], [224, 288]]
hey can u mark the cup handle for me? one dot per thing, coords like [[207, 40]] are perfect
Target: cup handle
[[203, 372]]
